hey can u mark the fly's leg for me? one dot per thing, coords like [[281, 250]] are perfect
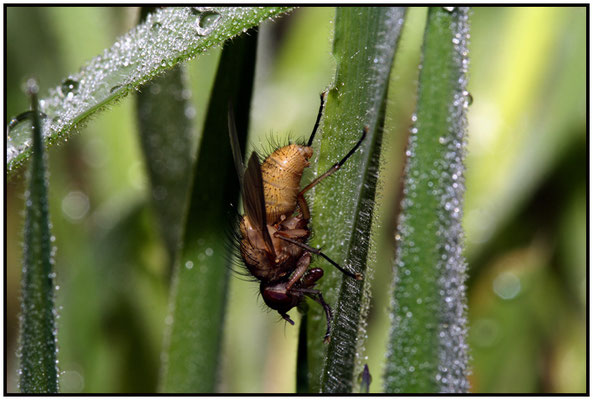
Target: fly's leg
[[292, 233], [311, 277], [304, 207], [302, 265], [313, 250], [322, 98], [337, 165], [318, 297], [303, 262], [286, 317]]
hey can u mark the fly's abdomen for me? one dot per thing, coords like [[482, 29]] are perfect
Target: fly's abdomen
[[281, 173]]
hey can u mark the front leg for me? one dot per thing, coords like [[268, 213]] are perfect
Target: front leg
[[318, 297], [292, 233]]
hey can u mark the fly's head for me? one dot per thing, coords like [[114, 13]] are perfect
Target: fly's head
[[278, 298]]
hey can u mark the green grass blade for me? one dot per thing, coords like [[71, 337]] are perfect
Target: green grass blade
[[165, 117], [201, 275], [38, 353], [427, 347], [302, 370], [167, 37], [364, 48]]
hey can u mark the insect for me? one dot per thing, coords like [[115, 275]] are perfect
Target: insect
[[274, 230]]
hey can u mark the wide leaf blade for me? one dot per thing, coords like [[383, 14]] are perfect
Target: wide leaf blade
[[427, 350], [201, 274], [364, 47]]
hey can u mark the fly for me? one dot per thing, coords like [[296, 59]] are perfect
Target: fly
[[274, 229]]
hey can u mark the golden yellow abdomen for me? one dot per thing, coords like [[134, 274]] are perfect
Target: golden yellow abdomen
[[281, 173]]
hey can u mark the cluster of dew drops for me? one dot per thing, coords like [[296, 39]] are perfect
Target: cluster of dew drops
[[148, 47]]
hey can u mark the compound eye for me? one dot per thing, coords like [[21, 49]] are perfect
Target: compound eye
[[277, 298], [272, 295]]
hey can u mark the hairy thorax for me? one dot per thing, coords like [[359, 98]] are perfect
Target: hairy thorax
[[259, 261]]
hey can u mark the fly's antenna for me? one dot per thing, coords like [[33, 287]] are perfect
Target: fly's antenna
[[322, 98]]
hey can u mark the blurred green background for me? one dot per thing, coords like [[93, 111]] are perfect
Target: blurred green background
[[525, 214]]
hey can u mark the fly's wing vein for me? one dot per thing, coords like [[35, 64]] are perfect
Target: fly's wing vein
[[254, 201]]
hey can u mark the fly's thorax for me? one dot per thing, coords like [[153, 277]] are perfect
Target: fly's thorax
[[259, 261], [282, 172]]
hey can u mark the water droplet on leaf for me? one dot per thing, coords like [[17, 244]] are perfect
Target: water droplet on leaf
[[207, 21], [69, 88], [25, 116]]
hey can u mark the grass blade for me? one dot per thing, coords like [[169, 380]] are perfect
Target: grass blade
[[302, 378], [165, 118], [427, 348], [38, 338], [364, 47], [201, 275], [167, 37]]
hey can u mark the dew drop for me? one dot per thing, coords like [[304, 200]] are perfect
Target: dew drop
[[189, 264], [24, 116], [69, 87], [189, 112], [469, 99], [207, 21]]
